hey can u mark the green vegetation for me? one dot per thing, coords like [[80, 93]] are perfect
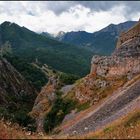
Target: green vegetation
[[108, 129], [5, 49], [17, 111], [83, 106], [133, 119], [60, 108], [31, 46], [29, 71], [18, 116], [68, 79], [102, 42]]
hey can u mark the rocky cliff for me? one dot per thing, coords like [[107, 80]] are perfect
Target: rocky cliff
[[13, 85], [112, 88], [45, 99], [124, 60], [108, 73]]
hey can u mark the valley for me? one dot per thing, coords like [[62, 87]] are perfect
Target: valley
[[58, 88]]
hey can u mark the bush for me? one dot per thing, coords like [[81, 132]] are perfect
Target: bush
[[24, 120], [19, 116], [132, 119], [60, 108], [68, 78]]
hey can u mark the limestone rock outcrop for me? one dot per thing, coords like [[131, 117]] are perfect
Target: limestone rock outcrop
[[115, 78], [110, 72], [126, 58]]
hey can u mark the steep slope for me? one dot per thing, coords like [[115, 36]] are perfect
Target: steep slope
[[121, 103], [101, 42], [108, 103], [46, 34], [31, 46], [80, 38], [29, 71], [49, 102], [44, 102], [12, 84], [126, 127], [16, 95]]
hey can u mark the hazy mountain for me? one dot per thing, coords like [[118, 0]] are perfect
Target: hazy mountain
[[60, 34], [102, 42], [47, 34]]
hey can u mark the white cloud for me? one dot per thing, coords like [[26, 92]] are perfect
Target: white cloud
[[40, 16]]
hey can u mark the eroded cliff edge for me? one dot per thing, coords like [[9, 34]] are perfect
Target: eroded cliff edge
[[108, 75], [126, 58]]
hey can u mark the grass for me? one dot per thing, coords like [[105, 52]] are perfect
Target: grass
[[10, 130], [83, 106], [108, 129], [132, 120]]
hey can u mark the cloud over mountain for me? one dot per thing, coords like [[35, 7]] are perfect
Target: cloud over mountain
[[52, 16]]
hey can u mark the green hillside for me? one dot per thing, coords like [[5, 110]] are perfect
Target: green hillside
[[31, 46]]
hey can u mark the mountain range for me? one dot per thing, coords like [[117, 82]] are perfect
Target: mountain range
[[31, 46], [38, 100], [101, 42], [69, 52]]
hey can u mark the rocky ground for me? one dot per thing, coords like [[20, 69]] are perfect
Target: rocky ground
[[113, 108]]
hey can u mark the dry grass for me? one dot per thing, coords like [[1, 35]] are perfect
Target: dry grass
[[127, 127], [13, 131], [105, 93]]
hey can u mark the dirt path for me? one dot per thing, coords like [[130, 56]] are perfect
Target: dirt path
[[116, 106]]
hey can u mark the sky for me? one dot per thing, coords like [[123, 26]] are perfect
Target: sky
[[55, 16]]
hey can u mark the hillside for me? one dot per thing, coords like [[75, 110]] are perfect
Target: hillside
[[17, 95], [31, 46], [105, 100], [109, 92], [101, 42], [12, 83]]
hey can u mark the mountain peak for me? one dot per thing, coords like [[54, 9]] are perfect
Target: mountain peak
[[8, 23], [60, 34]]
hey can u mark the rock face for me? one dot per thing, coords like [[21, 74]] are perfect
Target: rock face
[[44, 102], [117, 78], [12, 84], [126, 58], [110, 72]]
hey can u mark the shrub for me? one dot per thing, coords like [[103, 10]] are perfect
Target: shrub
[[133, 119], [68, 78], [60, 108]]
